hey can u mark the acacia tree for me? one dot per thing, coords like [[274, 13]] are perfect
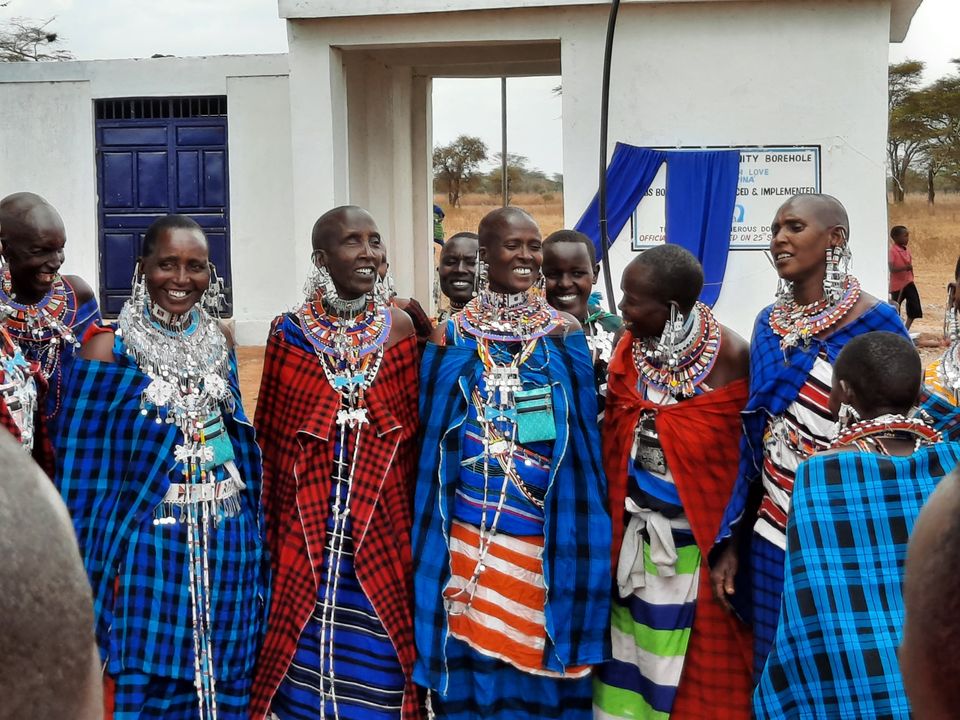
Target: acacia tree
[[23, 39], [940, 107], [455, 165], [908, 130]]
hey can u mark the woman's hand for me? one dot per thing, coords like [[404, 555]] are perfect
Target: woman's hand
[[723, 573]]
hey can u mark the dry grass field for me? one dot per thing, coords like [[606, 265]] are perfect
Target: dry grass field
[[546, 209], [934, 242]]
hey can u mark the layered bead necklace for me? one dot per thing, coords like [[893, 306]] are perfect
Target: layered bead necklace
[[599, 341], [497, 317], [679, 367], [186, 359], [869, 434], [348, 338], [948, 369], [18, 387], [40, 326], [797, 325]]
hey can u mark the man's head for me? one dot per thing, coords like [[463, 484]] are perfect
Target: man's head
[[50, 668], [346, 240], [877, 373], [900, 235], [511, 245], [653, 281], [570, 269], [803, 229], [930, 650], [458, 267], [33, 238]]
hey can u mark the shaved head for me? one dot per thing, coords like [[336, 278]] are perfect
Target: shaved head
[[493, 222], [827, 210], [328, 226], [48, 662], [23, 214]]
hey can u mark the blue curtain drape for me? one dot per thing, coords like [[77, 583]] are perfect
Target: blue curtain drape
[[629, 175], [701, 195]]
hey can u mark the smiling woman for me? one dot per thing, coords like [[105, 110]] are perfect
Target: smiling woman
[[159, 468]]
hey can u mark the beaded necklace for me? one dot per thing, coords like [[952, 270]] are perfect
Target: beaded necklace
[[868, 434], [599, 340], [18, 387], [798, 324], [692, 359], [41, 325], [350, 349], [508, 317], [186, 359]]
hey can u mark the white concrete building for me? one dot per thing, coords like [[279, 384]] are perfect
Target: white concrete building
[[345, 117]]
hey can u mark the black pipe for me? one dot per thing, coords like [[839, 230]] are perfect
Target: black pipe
[[602, 192]]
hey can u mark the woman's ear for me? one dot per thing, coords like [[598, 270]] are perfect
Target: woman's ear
[[847, 394], [838, 236], [596, 273], [319, 258]]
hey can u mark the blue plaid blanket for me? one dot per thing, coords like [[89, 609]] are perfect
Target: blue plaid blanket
[[835, 652], [577, 528], [775, 382], [115, 466]]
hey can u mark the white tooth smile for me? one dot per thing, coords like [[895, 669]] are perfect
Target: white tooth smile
[[566, 298], [783, 256], [177, 294], [365, 271], [522, 271], [459, 284]]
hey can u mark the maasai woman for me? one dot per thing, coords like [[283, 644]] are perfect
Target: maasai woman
[[512, 541], [942, 376], [570, 271], [678, 381], [457, 273], [337, 420], [819, 309], [853, 508], [161, 473], [47, 313]]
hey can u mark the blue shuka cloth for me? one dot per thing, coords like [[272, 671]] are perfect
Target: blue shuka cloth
[[835, 652], [577, 530], [114, 467]]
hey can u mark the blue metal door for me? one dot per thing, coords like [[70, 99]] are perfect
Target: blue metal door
[[157, 156]]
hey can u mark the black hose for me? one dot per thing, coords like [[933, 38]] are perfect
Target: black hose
[[602, 192]]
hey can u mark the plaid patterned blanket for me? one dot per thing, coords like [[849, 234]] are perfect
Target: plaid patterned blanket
[[835, 652]]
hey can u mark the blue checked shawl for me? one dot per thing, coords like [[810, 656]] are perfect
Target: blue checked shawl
[[577, 529], [115, 466], [835, 652], [775, 383]]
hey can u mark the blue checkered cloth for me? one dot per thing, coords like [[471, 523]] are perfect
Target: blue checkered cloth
[[577, 529], [115, 466], [942, 414], [143, 697], [835, 652]]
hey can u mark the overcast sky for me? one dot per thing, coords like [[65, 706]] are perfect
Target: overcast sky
[[95, 29]]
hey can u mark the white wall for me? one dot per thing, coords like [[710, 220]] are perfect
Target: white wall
[[47, 145], [264, 250], [749, 74]]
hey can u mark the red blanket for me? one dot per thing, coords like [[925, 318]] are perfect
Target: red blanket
[[296, 429], [701, 442]]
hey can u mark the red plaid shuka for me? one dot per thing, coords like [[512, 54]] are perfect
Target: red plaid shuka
[[296, 431], [701, 441]]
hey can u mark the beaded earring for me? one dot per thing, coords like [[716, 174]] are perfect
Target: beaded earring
[[835, 276], [951, 324], [481, 280], [666, 348], [138, 288], [212, 298]]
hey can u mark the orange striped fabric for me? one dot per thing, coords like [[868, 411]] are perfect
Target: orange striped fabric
[[502, 616]]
